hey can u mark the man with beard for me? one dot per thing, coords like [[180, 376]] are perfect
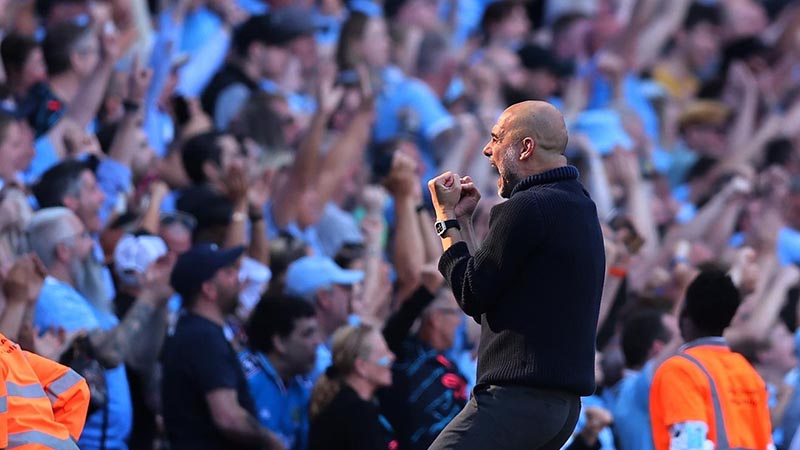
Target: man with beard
[[283, 336], [65, 247], [207, 404], [74, 185], [534, 285]]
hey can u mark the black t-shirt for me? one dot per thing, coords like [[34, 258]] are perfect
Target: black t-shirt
[[197, 360], [350, 423]]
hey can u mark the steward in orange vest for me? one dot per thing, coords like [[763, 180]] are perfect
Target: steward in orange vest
[[43, 404], [707, 396]]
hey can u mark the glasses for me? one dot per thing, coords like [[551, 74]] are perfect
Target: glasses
[[178, 217], [384, 361]]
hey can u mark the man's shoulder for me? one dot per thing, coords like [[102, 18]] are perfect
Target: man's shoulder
[[196, 331]]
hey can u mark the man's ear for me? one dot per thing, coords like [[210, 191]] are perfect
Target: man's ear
[[211, 171], [528, 146], [62, 252], [323, 300], [277, 344], [71, 202], [208, 289]]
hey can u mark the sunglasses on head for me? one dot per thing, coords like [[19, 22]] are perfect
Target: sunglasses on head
[[178, 217]]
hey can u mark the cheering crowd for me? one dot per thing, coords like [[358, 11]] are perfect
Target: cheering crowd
[[216, 212]]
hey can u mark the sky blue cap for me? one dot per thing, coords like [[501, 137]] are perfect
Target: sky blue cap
[[309, 274]]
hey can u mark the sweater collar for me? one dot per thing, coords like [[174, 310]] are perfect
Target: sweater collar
[[550, 176]]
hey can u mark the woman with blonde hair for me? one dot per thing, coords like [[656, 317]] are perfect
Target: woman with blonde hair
[[343, 412]]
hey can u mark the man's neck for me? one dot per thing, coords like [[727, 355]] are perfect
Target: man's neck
[[65, 86], [209, 312], [250, 69], [770, 375], [326, 325], [61, 273], [281, 368]]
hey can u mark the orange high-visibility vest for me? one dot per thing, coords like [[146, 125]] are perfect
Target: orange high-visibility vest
[[709, 383], [43, 404]]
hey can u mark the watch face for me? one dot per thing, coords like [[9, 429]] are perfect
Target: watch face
[[439, 227]]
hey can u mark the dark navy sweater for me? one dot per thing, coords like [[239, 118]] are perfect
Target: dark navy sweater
[[535, 285]]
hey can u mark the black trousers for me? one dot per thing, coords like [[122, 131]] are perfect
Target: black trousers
[[512, 418]]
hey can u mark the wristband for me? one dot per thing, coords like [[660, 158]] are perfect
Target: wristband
[[618, 272]]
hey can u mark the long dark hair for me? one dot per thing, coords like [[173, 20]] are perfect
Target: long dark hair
[[352, 31]]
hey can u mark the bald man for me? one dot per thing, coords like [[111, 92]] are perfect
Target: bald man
[[534, 285]]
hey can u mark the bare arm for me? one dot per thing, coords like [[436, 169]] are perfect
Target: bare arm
[[408, 245], [236, 423], [139, 336], [768, 308], [304, 169], [652, 37], [152, 216], [348, 150], [112, 347], [433, 248]]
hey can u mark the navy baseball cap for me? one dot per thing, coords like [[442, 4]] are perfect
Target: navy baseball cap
[[199, 265]]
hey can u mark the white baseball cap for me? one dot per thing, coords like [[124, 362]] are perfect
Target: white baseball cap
[[133, 254]]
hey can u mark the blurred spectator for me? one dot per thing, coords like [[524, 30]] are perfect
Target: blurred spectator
[[330, 289], [139, 261], [428, 390], [24, 64], [773, 359], [206, 399], [30, 384], [283, 339], [740, 417], [683, 121], [261, 45], [342, 411], [65, 246], [648, 338]]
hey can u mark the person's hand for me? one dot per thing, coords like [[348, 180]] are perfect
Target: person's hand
[[742, 79], [260, 189], [139, 81], [110, 44], [470, 196], [402, 180], [158, 190], [53, 343], [745, 271], [611, 66], [156, 288], [374, 198], [431, 278], [596, 419], [24, 280], [445, 193], [329, 95], [236, 184]]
